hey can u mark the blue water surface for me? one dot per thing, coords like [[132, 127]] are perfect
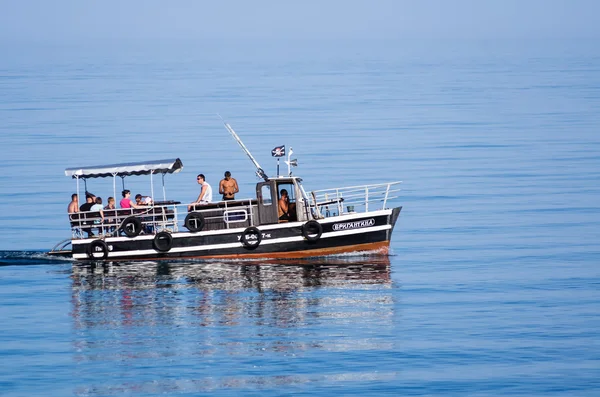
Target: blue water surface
[[493, 284]]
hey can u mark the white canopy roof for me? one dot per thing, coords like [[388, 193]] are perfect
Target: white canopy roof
[[126, 169]]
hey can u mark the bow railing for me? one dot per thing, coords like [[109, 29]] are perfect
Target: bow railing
[[344, 200]]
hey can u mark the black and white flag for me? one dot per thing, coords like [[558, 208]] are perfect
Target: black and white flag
[[279, 151]]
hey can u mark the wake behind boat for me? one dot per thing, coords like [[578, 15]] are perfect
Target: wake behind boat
[[320, 223]]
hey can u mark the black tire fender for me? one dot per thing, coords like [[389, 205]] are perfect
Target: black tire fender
[[194, 222], [131, 226], [163, 241], [96, 247], [312, 231], [251, 244]]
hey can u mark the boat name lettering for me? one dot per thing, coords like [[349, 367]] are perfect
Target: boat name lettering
[[353, 225], [253, 236]]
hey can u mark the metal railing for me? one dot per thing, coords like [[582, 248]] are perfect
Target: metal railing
[[167, 217], [344, 200]]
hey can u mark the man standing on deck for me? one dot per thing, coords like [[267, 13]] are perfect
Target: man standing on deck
[[228, 187], [205, 195]]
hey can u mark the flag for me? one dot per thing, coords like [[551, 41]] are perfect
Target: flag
[[279, 151]]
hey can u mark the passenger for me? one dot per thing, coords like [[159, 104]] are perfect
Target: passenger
[[97, 207], [74, 204], [89, 201], [228, 187], [205, 195], [111, 204], [142, 200], [126, 200], [87, 207], [110, 214], [283, 209]]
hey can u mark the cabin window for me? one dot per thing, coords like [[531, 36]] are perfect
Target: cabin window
[[265, 195]]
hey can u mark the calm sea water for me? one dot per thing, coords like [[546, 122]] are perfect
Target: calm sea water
[[493, 285]]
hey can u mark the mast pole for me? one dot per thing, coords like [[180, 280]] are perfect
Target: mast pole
[[259, 171]]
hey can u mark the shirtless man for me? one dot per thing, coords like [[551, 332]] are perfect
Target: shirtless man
[[228, 187], [73, 205], [284, 210]]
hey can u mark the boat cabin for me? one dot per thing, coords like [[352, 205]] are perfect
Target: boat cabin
[[268, 194]]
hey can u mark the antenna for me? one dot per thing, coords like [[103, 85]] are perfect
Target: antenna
[[290, 163], [259, 171]]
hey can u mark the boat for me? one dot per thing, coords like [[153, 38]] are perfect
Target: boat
[[334, 221]]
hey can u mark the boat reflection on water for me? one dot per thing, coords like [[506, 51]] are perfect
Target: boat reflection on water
[[231, 275], [227, 293], [235, 316]]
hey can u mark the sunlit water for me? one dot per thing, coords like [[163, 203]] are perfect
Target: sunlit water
[[492, 286]]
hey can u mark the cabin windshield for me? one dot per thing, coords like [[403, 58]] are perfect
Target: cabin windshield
[[289, 188]]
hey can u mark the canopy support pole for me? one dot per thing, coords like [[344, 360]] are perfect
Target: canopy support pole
[[114, 187], [163, 186], [152, 186], [77, 180]]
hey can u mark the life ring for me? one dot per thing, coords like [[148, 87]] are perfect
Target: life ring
[[251, 244], [131, 226], [163, 241], [312, 231], [97, 247], [194, 221]]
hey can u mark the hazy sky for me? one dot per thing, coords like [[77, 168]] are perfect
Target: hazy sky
[[323, 19]]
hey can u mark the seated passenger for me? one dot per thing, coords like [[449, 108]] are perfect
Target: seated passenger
[[110, 214], [97, 207], [89, 201], [284, 208], [111, 204], [74, 204], [126, 200], [87, 207], [205, 195], [142, 200]]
